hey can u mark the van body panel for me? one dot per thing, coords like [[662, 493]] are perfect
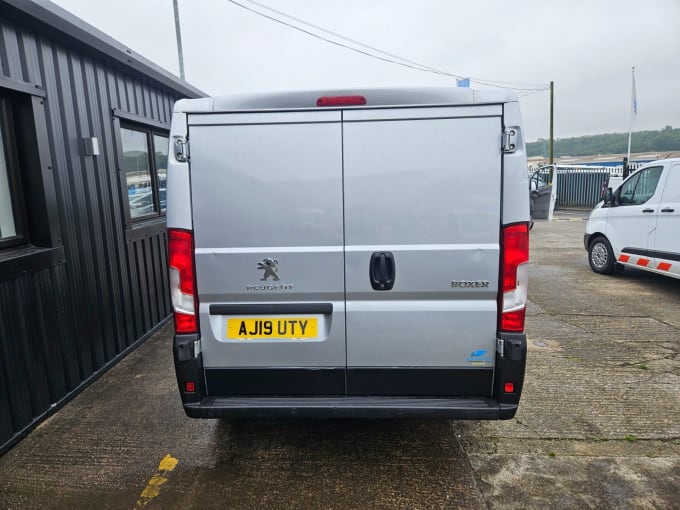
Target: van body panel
[[271, 194], [375, 97], [260, 118], [420, 382], [667, 238], [347, 258], [515, 206], [440, 218], [422, 112], [270, 184], [417, 333], [633, 225], [178, 180], [275, 381]]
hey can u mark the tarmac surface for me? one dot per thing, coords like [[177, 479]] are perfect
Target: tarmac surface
[[598, 425]]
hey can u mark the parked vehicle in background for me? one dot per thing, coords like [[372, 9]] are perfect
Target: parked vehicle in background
[[539, 195], [638, 224], [328, 256]]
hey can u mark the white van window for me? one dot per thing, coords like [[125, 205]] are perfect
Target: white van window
[[640, 188]]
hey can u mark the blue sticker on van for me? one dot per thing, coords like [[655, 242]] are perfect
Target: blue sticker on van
[[479, 357]]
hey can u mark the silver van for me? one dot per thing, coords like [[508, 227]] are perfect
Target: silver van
[[349, 253]]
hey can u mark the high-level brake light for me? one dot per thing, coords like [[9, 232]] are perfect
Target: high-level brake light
[[514, 277], [182, 280], [341, 101]]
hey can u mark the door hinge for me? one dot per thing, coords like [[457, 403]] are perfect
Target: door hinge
[[181, 149], [510, 139]]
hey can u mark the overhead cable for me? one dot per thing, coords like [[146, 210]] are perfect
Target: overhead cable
[[335, 42], [404, 62]]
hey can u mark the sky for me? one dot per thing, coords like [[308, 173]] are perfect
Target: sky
[[586, 47]]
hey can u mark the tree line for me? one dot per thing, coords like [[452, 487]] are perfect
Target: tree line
[[666, 139]]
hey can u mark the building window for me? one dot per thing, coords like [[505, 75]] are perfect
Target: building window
[[145, 159], [11, 201]]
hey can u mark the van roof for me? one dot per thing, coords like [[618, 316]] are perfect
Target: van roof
[[660, 161], [397, 96]]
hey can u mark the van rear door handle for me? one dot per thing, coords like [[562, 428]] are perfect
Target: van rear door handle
[[648, 210], [381, 270], [667, 209]]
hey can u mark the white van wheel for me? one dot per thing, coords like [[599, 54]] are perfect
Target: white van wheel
[[601, 256]]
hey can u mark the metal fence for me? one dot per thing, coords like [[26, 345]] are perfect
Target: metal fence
[[580, 186]]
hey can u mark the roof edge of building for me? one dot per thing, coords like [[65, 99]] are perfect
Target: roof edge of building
[[76, 29]]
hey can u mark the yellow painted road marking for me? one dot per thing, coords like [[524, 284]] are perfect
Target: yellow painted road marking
[[153, 488]]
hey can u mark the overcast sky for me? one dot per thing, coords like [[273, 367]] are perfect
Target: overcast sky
[[587, 47]]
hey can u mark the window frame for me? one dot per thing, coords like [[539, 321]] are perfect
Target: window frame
[[7, 131], [634, 182], [150, 128], [42, 245]]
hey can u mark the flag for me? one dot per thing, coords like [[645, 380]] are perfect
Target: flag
[[463, 82], [634, 95]]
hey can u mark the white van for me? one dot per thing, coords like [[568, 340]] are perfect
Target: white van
[[349, 253], [638, 224]]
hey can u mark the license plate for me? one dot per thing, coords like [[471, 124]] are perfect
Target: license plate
[[241, 328]]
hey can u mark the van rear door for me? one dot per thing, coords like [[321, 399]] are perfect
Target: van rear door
[[267, 214], [422, 215]]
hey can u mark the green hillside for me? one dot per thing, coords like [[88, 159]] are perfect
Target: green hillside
[[666, 139]]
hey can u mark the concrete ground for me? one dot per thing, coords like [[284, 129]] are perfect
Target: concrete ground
[[598, 426]]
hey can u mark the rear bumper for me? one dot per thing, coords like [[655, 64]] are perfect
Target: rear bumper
[[351, 407], [496, 404]]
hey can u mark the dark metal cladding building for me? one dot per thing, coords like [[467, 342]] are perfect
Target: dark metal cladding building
[[84, 127]]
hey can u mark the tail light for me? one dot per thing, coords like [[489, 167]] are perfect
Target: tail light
[[514, 277], [183, 280]]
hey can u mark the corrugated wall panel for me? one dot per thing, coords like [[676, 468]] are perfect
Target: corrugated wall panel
[[157, 291], [30, 45], [79, 265], [6, 426], [32, 344], [108, 99], [14, 369], [37, 363], [151, 278], [61, 324], [95, 220], [48, 322], [143, 283], [11, 43]]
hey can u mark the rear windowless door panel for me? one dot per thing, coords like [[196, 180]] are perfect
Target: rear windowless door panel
[[424, 186], [267, 212]]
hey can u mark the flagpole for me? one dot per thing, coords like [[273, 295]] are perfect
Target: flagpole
[[178, 34], [633, 111]]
